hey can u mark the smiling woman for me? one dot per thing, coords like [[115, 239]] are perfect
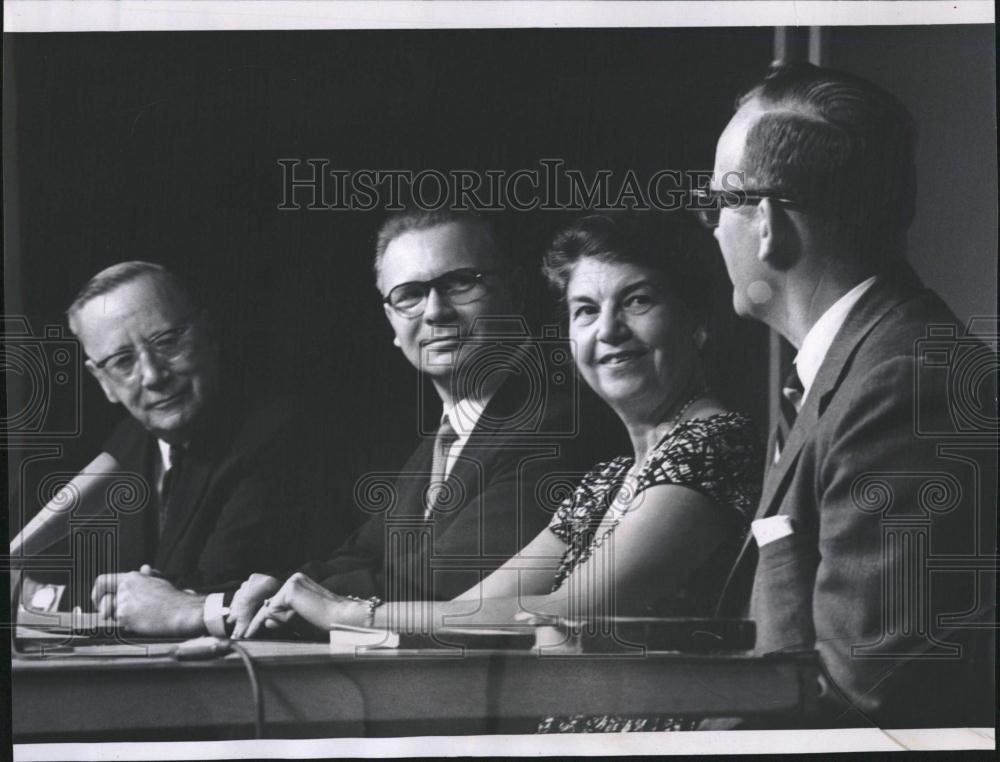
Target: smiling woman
[[633, 340], [651, 533], [637, 322]]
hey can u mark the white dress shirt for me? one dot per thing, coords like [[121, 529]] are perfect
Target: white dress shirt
[[163, 466], [816, 344], [817, 341], [463, 416]]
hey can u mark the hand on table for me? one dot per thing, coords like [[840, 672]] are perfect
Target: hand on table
[[248, 599], [311, 601], [103, 593], [149, 605]]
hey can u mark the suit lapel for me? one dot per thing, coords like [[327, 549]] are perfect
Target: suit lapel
[[870, 309], [463, 481], [137, 531], [776, 473], [184, 503], [467, 471], [411, 485], [207, 451], [776, 476]]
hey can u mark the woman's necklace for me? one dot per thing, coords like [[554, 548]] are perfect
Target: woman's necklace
[[628, 488], [700, 392], [626, 492]]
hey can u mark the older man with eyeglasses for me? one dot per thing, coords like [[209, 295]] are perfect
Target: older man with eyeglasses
[[226, 476], [474, 491]]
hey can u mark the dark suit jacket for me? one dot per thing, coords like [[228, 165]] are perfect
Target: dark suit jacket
[[502, 491], [892, 499], [243, 501]]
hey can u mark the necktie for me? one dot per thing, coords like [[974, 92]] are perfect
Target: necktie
[[791, 400], [445, 438], [170, 476]]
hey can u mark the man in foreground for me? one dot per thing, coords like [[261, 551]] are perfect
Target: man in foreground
[[864, 491]]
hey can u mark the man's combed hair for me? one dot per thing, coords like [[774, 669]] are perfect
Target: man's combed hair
[[841, 146], [110, 278], [398, 223]]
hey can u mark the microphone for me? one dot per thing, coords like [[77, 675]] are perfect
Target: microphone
[[86, 495], [101, 489]]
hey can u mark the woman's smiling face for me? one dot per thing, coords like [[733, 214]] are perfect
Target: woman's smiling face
[[631, 338]]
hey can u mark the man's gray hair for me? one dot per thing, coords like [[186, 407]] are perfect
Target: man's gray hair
[[110, 278], [398, 223]]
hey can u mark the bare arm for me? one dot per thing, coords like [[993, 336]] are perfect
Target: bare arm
[[530, 572], [494, 600], [666, 533]]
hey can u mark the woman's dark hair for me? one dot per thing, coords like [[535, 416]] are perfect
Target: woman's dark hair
[[676, 245], [670, 242]]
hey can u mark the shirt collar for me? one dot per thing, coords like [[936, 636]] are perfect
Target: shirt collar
[[464, 415], [817, 341], [164, 448], [164, 453]]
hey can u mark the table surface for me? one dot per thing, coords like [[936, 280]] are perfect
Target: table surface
[[310, 692]]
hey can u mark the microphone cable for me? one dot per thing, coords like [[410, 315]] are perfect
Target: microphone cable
[[258, 695]]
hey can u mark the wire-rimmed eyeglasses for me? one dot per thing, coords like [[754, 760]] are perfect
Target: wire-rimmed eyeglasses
[[711, 202]]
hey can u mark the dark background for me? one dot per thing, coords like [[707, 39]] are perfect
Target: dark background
[[164, 147]]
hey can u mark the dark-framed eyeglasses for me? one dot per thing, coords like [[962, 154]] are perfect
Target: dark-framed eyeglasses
[[709, 202], [167, 346], [462, 286]]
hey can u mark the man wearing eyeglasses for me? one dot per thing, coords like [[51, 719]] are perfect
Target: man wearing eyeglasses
[[865, 518], [470, 495], [472, 491], [224, 477], [148, 347]]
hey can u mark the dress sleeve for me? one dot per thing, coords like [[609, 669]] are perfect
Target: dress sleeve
[[588, 502], [561, 519], [722, 457]]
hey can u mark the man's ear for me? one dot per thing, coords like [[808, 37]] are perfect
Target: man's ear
[[779, 238], [388, 316], [107, 388]]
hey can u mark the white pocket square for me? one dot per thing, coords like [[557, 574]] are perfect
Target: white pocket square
[[770, 529]]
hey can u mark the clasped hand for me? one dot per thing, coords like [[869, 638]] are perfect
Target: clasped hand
[[299, 595], [145, 604]]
